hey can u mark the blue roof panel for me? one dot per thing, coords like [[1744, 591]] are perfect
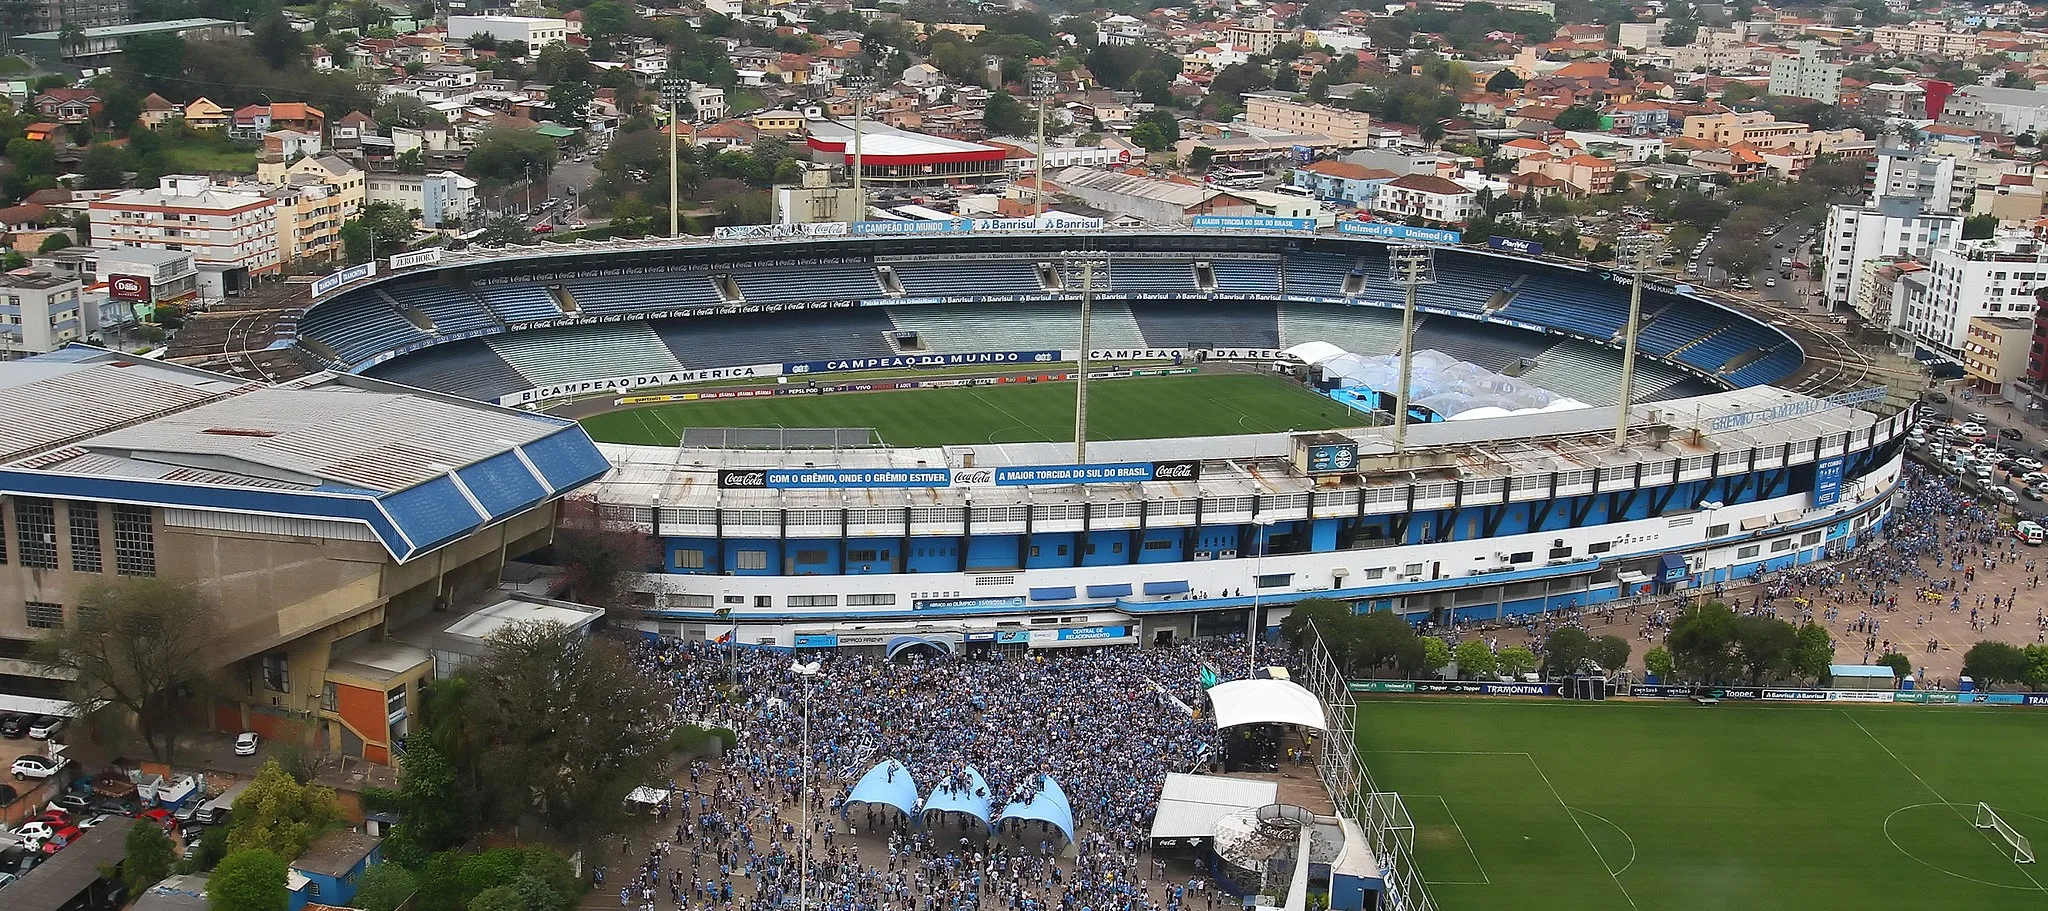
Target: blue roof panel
[[431, 513], [503, 484], [567, 460]]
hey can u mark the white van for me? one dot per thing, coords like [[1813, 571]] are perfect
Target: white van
[[2030, 532], [216, 811]]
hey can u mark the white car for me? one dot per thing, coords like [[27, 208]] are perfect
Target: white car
[[2005, 495], [33, 766], [245, 743], [46, 727], [1971, 430], [35, 831], [2028, 463]]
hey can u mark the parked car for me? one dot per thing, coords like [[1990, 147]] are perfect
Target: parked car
[[72, 803], [33, 766], [94, 819], [246, 743], [45, 727], [543, 228], [14, 725], [2009, 433], [2005, 495], [64, 837], [35, 830], [1973, 431], [161, 817]]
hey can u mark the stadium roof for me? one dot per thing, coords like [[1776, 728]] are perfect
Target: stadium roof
[[1265, 701], [1191, 805], [420, 469], [881, 144]]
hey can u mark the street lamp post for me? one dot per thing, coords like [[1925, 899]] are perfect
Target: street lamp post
[[1412, 266], [861, 88], [808, 673], [1256, 627], [1042, 86], [673, 89]]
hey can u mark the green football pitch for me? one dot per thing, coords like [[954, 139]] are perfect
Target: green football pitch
[[1120, 409], [1639, 806]]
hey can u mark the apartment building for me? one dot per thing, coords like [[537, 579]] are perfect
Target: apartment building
[[229, 232], [1808, 75], [1927, 39], [1998, 110], [309, 218], [1279, 111], [1888, 229], [537, 31], [444, 200], [39, 312], [1427, 197], [1995, 277], [1755, 127], [1995, 350]]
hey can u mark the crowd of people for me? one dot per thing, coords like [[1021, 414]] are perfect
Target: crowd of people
[[1106, 724]]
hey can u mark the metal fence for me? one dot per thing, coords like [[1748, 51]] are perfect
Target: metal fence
[[781, 438]]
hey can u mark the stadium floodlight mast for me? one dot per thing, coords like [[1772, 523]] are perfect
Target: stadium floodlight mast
[[1087, 262], [1042, 87], [1413, 265], [861, 88], [673, 89], [1635, 253], [809, 673], [1256, 628]]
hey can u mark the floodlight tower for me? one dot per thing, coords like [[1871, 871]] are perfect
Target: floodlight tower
[[1042, 87], [1088, 262], [861, 88], [673, 90], [1412, 265], [1634, 252]]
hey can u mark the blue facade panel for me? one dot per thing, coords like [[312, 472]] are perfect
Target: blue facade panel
[[1161, 546], [432, 512], [870, 556], [690, 555], [992, 552], [933, 555], [1107, 548], [753, 557], [814, 557], [503, 484], [568, 459], [1050, 551]]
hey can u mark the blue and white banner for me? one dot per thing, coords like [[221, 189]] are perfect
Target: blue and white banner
[[1102, 473], [1253, 223], [947, 226], [922, 360], [1514, 245], [1398, 232], [802, 478], [357, 272], [1827, 482]]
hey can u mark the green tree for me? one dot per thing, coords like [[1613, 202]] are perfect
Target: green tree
[[1610, 652], [1436, 654], [1763, 646], [1578, 117], [53, 243], [1006, 116], [279, 815], [1701, 640], [1658, 662], [1385, 638], [1565, 650], [1476, 659], [509, 154], [1201, 158], [248, 880], [356, 242], [1996, 663], [497, 898], [431, 803], [148, 857], [570, 102], [1901, 665], [104, 167], [1979, 227], [1149, 137], [132, 643], [504, 232], [2037, 667], [1812, 651], [276, 40], [384, 887], [1503, 81]]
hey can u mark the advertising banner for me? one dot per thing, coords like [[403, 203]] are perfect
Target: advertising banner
[[947, 226], [128, 287], [1252, 223], [1795, 695], [638, 381], [1380, 686], [805, 478], [1104, 473], [1398, 232], [1515, 245], [1827, 482], [772, 232], [999, 603], [355, 273], [424, 257], [1859, 695], [817, 640], [1326, 458], [922, 360]]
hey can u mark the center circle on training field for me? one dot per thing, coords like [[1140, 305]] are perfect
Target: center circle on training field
[[1952, 823], [1604, 845]]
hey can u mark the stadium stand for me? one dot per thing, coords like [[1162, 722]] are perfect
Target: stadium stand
[[1592, 374], [452, 310], [1316, 273], [1770, 368], [1246, 276], [1134, 276], [570, 353], [1677, 326], [628, 293], [1496, 348], [1360, 330], [1564, 304], [519, 303], [729, 341], [845, 281], [1031, 326], [470, 368], [358, 327], [1201, 324], [948, 279]]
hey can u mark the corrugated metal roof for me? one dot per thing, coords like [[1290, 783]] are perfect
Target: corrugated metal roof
[[63, 402]]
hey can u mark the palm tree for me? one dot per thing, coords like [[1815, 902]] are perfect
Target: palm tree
[[71, 39]]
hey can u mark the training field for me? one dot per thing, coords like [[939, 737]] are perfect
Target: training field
[[1666, 807], [1120, 409]]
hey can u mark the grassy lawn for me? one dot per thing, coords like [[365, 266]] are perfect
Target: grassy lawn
[[1123, 409], [1622, 806], [192, 154]]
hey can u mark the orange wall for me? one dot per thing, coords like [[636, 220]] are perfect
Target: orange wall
[[363, 711]]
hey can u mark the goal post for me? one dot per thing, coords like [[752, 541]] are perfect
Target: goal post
[[2022, 850]]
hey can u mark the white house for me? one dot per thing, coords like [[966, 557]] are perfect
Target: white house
[[1428, 197]]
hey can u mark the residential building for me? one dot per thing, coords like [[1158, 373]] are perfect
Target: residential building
[[1737, 163], [317, 515], [1755, 127], [1258, 35], [1995, 352], [230, 233], [1907, 174], [709, 102], [69, 105], [203, 114], [1998, 110], [1427, 197], [97, 46], [1808, 75], [1928, 40], [24, 17], [781, 124], [1975, 278], [2037, 352], [309, 218], [538, 32], [1343, 182], [1585, 174], [158, 110], [445, 200], [1279, 111], [153, 277], [330, 868], [39, 312], [1888, 229]]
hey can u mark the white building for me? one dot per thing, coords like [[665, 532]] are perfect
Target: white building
[[40, 312], [1428, 197], [444, 200], [538, 32], [1973, 278], [1906, 174], [232, 234], [1999, 110], [1892, 228], [709, 103], [1807, 75]]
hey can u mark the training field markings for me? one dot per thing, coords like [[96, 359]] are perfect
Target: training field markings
[[1008, 414], [1484, 880], [1616, 827], [1568, 810], [1887, 827], [1952, 805]]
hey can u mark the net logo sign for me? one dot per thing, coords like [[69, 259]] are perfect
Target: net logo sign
[[128, 288], [1332, 457]]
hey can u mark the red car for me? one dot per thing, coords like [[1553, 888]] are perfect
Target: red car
[[161, 817], [64, 836], [57, 818], [543, 228]]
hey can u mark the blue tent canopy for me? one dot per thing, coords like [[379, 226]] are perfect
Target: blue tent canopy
[[1050, 805], [888, 783], [973, 799]]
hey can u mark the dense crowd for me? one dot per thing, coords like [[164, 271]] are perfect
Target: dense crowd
[[1106, 724]]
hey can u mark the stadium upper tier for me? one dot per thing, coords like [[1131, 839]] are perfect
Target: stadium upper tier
[[697, 306]]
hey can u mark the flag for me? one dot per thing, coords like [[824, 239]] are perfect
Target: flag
[[1209, 675], [724, 637]]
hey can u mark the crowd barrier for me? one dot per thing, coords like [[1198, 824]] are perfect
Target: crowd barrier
[[1732, 693]]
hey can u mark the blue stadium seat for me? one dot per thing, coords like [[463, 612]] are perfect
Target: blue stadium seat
[[951, 278], [630, 293], [358, 326], [1246, 276], [520, 303], [452, 310], [1161, 276], [467, 368], [731, 341], [855, 281], [1207, 324]]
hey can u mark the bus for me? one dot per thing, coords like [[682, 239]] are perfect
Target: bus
[[1232, 177]]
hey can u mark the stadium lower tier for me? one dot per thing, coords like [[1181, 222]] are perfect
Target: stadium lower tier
[[1157, 577]]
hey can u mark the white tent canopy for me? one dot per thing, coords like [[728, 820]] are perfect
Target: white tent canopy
[[1262, 701]]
